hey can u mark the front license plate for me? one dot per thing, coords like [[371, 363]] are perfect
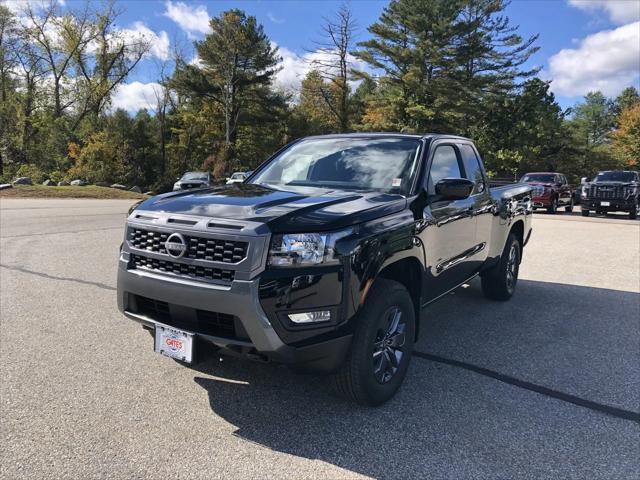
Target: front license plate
[[174, 343], [605, 204]]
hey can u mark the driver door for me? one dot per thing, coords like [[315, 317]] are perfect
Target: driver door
[[449, 226]]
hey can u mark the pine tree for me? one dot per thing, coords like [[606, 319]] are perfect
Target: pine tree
[[238, 63]]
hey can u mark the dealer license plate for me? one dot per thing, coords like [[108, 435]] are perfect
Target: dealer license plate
[[605, 204], [174, 343]]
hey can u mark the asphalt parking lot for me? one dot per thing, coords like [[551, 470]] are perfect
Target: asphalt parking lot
[[84, 396]]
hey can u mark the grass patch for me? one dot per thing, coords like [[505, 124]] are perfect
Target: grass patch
[[88, 191]]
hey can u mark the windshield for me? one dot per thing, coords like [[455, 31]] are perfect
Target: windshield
[[615, 177], [386, 164], [194, 176], [538, 177]]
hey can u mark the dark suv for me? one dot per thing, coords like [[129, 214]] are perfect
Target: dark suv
[[550, 190], [612, 191]]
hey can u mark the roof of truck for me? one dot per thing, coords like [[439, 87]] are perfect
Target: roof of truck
[[391, 134]]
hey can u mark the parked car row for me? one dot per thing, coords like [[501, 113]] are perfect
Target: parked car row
[[609, 191], [204, 179]]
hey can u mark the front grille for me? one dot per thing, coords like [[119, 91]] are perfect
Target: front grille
[[200, 321], [198, 248], [220, 323], [537, 191], [191, 271], [154, 309], [607, 193]]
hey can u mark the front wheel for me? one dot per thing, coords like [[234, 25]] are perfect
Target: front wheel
[[553, 208], [633, 214], [499, 282], [585, 213], [381, 348], [569, 208]]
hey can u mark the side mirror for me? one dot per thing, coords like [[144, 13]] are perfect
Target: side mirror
[[454, 188], [583, 180]]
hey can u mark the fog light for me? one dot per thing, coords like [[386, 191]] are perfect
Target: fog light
[[310, 317]]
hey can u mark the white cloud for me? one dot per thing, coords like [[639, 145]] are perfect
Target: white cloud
[[191, 19], [274, 19], [295, 67], [16, 6], [136, 95], [607, 61], [159, 42], [620, 11]]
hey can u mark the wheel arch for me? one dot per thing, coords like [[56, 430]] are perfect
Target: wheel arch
[[518, 230], [408, 272]]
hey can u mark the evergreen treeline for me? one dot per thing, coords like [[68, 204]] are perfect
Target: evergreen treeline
[[454, 66]]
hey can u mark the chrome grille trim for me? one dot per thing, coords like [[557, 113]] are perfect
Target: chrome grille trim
[[606, 192]]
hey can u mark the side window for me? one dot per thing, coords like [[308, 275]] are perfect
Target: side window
[[444, 165], [472, 167]]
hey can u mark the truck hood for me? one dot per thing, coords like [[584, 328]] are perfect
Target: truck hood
[[613, 184], [297, 209], [540, 184]]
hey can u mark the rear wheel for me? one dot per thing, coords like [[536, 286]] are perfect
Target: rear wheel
[[499, 282], [553, 208], [382, 346]]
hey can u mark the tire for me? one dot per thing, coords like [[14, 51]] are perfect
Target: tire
[[633, 214], [569, 208], [585, 213], [553, 208], [369, 376], [499, 282]]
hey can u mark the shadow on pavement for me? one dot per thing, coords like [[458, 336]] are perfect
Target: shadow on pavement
[[448, 422]]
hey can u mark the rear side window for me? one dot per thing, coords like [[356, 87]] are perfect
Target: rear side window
[[472, 167], [444, 165]]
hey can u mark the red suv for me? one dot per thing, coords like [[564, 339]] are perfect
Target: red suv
[[550, 190]]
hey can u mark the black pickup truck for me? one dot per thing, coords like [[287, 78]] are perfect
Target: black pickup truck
[[324, 258], [612, 191]]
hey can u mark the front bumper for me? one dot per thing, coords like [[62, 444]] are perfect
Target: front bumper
[[541, 201], [239, 299], [614, 204]]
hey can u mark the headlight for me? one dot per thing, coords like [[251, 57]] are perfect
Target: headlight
[[304, 249]]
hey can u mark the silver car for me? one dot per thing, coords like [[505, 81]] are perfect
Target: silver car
[[193, 180]]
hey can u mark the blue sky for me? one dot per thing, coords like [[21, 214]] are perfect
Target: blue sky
[[584, 44]]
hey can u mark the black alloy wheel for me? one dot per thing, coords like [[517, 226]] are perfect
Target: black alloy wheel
[[381, 347], [513, 267], [387, 346], [500, 281]]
